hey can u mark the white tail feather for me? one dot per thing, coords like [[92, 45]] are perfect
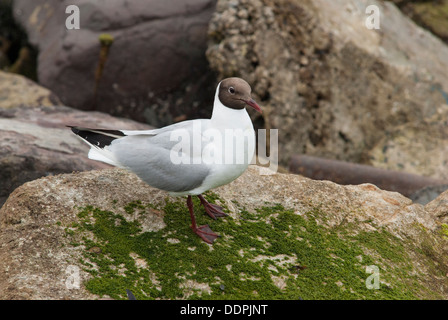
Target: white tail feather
[[103, 156], [99, 154]]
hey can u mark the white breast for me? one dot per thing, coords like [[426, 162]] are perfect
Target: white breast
[[228, 146]]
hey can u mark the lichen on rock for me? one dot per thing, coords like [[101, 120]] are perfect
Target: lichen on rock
[[288, 238]]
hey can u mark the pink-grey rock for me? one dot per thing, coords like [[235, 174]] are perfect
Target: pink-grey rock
[[36, 142], [34, 138]]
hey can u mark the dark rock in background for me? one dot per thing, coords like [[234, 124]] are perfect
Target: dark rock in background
[[17, 55], [347, 173], [156, 71], [428, 194]]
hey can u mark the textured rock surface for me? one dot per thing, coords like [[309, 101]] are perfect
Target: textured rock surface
[[34, 138], [36, 142], [318, 248], [16, 90], [428, 194], [333, 87], [155, 71], [415, 147], [432, 15], [439, 207]]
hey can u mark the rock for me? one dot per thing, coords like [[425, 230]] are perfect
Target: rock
[[439, 206], [430, 15], [155, 70], [35, 140], [428, 194], [346, 173], [16, 90], [415, 147], [100, 234], [333, 87]]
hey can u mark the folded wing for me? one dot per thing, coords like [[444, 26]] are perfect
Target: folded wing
[[147, 154]]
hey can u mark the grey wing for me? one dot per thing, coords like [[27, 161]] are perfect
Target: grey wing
[[151, 158]]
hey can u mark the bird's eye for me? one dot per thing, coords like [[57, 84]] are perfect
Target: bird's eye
[[232, 90]]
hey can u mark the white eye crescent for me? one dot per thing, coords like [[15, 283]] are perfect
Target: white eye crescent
[[232, 90]]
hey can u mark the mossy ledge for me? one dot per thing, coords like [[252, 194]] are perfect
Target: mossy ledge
[[272, 253]]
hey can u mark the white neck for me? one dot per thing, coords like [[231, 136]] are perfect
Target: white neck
[[232, 118]]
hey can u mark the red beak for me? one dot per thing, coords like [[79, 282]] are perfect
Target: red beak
[[253, 104]]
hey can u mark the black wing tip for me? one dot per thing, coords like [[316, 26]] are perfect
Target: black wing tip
[[74, 129], [77, 129], [98, 137]]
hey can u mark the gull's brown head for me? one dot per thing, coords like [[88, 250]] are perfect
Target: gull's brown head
[[234, 93]]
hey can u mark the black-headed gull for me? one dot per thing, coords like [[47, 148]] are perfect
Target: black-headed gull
[[189, 157]]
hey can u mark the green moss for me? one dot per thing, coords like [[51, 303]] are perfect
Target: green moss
[[272, 253], [444, 230], [131, 207]]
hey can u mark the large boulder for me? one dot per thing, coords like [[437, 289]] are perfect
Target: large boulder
[[96, 234], [333, 87], [155, 72]]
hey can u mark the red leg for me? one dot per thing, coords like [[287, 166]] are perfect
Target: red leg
[[213, 210], [204, 231]]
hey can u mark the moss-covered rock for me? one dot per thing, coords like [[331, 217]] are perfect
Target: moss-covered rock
[[271, 254], [286, 237]]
